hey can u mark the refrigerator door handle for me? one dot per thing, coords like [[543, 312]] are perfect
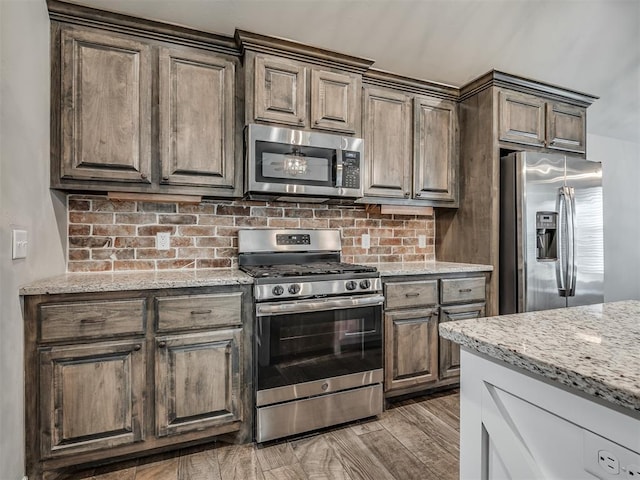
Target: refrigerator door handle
[[561, 274], [571, 243]]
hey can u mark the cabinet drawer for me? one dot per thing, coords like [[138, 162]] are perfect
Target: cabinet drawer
[[192, 312], [454, 290], [75, 320], [411, 294]]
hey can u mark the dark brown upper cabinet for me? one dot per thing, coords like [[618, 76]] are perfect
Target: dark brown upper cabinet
[[105, 99], [411, 142], [197, 112], [131, 113], [290, 83], [533, 120]]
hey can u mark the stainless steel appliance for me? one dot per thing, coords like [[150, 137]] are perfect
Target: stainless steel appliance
[[318, 332], [551, 238], [287, 163]]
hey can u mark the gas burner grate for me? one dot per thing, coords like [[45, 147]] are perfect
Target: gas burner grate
[[299, 270]]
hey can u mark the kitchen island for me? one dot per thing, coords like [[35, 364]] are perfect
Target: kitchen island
[[550, 394]]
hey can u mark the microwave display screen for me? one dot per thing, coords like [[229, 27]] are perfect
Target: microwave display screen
[[282, 163], [276, 165]]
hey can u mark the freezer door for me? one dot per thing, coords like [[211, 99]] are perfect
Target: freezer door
[[541, 181], [585, 179]]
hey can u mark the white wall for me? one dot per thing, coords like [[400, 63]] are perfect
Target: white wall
[[621, 189], [25, 201]]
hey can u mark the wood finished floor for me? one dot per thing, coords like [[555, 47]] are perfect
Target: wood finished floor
[[413, 439]]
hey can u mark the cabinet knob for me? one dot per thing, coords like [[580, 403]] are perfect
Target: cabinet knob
[[406, 194], [137, 347], [143, 176], [162, 344], [165, 178]]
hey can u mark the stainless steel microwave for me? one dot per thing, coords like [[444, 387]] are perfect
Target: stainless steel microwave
[[287, 164]]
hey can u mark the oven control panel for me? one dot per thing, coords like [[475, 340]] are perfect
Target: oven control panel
[[293, 239], [281, 290]]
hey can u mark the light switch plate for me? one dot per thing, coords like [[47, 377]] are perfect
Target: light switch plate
[[20, 244]]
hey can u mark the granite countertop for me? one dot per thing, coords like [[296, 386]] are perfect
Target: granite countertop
[[594, 349], [128, 280], [435, 267]]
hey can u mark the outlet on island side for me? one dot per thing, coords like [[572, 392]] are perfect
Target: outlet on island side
[[608, 460], [163, 239]]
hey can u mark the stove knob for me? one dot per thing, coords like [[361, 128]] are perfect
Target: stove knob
[[351, 285], [364, 284], [277, 290], [294, 288]]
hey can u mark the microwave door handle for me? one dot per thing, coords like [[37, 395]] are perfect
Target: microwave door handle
[[339, 167]]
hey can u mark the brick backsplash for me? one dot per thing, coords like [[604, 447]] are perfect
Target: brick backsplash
[[106, 235]]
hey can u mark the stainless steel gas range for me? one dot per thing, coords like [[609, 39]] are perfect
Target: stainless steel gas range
[[318, 332]]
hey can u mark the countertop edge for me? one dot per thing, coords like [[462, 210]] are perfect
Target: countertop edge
[[131, 281], [593, 387]]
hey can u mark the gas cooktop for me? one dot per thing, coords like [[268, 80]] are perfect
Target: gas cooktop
[[299, 270]]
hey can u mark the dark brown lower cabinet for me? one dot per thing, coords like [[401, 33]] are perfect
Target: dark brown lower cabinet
[[416, 358], [411, 357], [450, 351], [91, 397], [121, 374], [198, 381]]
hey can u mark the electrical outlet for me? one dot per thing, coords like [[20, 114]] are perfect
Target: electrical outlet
[[608, 462], [422, 241], [633, 472], [163, 240], [366, 240]]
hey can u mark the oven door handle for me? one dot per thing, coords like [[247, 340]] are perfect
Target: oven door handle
[[316, 305]]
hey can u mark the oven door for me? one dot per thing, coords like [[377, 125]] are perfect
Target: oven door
[[312, 347]]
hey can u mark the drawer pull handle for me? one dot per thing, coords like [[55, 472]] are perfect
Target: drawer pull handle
[[464, 290], [92, 320], [411, 295], [200, 312], [162, 344]]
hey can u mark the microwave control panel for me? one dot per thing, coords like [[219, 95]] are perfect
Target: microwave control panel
[[350, 169]]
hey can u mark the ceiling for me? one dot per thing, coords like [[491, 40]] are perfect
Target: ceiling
[[591, 46]]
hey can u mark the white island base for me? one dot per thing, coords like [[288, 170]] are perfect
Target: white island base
[[515, 425]]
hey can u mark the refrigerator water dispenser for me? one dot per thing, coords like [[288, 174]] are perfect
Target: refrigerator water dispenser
[[546, 230]]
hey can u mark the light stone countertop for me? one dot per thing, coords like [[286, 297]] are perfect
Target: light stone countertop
[[425, 268], [146, 280], [594, 349], [129, 280]]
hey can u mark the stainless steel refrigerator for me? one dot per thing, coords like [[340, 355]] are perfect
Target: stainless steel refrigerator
[[551, 238]]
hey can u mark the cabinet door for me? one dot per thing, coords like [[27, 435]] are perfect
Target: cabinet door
[[522, 118], [566, 127], [105, 107], [335, 101], [436, 144], [198, 382], [197, 115], [91, 397], [411, 348], [450, 351], [280, 91], [387, 140]]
